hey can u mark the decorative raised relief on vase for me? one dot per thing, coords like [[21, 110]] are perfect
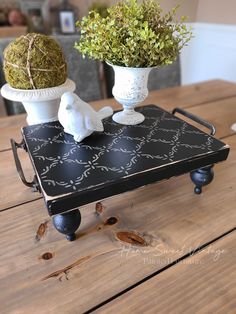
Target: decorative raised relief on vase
[[130, 89], [41, 105]]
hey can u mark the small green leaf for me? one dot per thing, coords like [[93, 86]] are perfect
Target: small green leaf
[[133, 34]]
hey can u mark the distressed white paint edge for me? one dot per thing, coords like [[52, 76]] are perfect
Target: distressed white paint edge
[[61, 196]]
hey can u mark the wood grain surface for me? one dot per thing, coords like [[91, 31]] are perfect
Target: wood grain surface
[[84, 273], [203, 283], [10, 127], [13, 191], [41, 272]]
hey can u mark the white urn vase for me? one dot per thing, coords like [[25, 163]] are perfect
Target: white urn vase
[[233, 127], [41, 105], [130, 89]]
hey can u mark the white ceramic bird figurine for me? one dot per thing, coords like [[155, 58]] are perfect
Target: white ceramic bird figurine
[[78, 118]]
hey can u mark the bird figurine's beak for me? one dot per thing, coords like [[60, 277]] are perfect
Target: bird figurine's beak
[[68, 107]]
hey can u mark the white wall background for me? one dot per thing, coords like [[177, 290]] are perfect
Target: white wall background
[[216, 11], [211, 54]]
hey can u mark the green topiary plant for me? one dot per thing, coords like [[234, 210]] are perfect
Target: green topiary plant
[[133, 35], [100, 8]]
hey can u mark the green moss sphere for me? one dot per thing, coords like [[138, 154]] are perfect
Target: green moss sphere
[[34, 61]]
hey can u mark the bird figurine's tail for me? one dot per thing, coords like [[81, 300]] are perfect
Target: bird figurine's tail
[[105, 112]]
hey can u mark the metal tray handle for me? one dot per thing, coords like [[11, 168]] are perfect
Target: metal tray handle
[[197, 119], [33, 184]]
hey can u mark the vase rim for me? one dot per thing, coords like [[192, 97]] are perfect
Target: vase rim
[[134, 68], [49, 93]]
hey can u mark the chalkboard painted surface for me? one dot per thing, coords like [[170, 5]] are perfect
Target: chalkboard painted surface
[[121, 158]]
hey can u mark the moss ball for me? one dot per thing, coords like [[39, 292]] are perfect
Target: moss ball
[[34, 61]]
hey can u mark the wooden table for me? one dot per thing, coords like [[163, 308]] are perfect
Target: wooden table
[[158, 249]]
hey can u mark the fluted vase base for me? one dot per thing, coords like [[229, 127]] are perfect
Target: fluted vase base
[[128, 117]]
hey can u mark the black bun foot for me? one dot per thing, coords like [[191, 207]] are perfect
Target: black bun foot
[[68, 223], [197, 190], [71, 237], [201, 177]]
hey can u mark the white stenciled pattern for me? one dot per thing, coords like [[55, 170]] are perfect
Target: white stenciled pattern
[[159, 140], [88, 165]]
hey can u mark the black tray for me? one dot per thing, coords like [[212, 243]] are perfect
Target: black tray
[[122, 158]]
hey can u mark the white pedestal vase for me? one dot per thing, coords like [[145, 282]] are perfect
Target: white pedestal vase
[[233, 127], [41, 105], [130, 89]]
